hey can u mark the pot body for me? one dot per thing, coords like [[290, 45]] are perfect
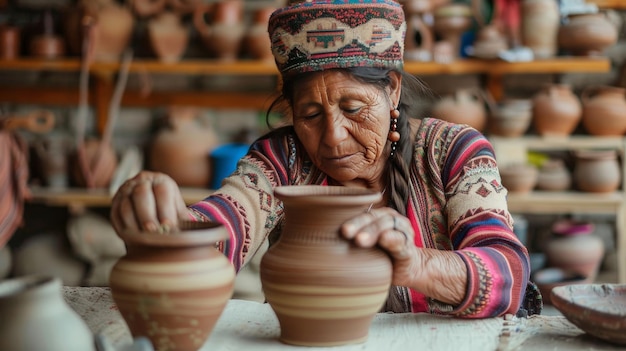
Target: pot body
[[173, 287], [597, 171], [604, 110], [587, 34], [556, 110], [221, 28], [540, 24], [168, 37], [36, 317], [324, 290]]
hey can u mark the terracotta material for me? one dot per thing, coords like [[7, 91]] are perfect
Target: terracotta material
[[418, 43], [324, 290], [36, 317], [168, 37], [587, 34], [604, 110], [182, 150], [9, 42], [172, 287], [511, 117], [47, 44], [221, 27], [465, 106], [256, 41], [184, 6], [598, 309], [557, 111], [540, 27], [519, 178], [574, 248], [451, 21], [93, 164], [597, 171], [554, 176], [147, 8]]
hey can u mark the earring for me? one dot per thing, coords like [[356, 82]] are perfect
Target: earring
[[394, 135]]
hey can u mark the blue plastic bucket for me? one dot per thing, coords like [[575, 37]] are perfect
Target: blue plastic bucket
[[225, 160]]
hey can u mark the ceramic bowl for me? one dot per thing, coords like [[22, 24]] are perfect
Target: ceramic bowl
[[598, 309]]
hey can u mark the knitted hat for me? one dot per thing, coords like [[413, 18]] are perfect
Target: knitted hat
[[316, 35]]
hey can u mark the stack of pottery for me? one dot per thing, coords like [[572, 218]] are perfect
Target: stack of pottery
[[587, 34], [465, 106], [324, 290], [597, 171], [557, 111], [604, 110]]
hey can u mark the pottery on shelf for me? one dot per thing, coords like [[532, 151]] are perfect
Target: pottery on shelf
[[9, 42], [451, 21], [172, 287], [324, 290], [597, 171], [604, 110], [47, 44], [256, 42], [557, 111], [419, 38], [221, 28], [554, 176], [587, 34], [35, 316], [510, 118], [540, 22], [464, 106], [519, 178], [168, 36]]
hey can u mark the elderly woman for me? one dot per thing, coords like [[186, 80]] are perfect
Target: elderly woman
[[443, 218]]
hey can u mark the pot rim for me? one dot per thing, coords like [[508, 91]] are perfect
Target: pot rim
[[189, 233]]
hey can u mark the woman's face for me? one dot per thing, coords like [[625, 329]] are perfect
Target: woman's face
[[343, 125]]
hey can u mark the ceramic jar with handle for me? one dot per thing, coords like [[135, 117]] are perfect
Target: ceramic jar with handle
[[324, 290]]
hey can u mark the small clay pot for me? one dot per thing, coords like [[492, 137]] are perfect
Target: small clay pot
[[9, 42], [519, 178], [554, 176], [511, 118], [597, 171]]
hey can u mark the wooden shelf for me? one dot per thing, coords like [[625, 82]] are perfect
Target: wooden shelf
[[609, 4], [541, 202]]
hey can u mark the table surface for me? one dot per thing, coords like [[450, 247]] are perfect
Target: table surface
[[248, 325]]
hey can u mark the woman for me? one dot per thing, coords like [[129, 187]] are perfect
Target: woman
[[443, 218]]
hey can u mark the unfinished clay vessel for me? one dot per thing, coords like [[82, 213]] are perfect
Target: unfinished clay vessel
[[173, 287], [323, 289]]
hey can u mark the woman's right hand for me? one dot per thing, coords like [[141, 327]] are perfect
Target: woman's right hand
[[149, 201]]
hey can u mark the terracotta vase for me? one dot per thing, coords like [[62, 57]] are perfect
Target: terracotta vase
[[540, 24], [256, 40], [323, 289], [9, 42], [465, 106], [557, 111], [587, 34], [220, 25], [511, 117], [575, 248], [36, 317], [172, 287], [168, 37], [554, 176], [604, 110], [597, 171], [182, 149]]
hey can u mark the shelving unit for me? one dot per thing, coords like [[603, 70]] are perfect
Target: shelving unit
[[511, 150]]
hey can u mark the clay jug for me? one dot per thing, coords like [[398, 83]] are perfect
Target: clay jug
[[168, 37], [323, 289], [36, 317], [221, 27], [597, 171], [256, 40], [575, 248], [540, 24], [173, 287], [182, 149], [604, 110], [557, 111], [465, 106], [587, 34]]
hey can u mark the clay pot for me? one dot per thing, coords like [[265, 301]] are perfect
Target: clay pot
[[221, 27], [173, 287], [511, 117], [48, 44], [556, 110], [182, 149], [604, 110], [418, 43], [168, 37], [36, 317], [597, 171], [554, 176], [540, 24], [9, 42], [465, 106], [519, 178], [489, 43], [451, 21], [256, 40], [587, 34], [93, 164], [324, 290], [573, 247]]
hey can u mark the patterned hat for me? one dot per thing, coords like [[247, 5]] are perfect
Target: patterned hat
[[316, 35]]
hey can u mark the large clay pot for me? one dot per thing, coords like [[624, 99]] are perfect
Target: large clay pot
[[587, 34], [604, 110], [575, 248], [182, 149], [540, 27], [554, 176], [597, 171], [556, 110], [323, 289], [172, 287], [465, 106], [221, 27], [168, 37], [36, 317]]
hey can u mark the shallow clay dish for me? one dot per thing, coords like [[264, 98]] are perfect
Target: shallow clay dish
[[598, 309]]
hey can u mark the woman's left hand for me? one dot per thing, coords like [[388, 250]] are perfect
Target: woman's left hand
[[392, 232]]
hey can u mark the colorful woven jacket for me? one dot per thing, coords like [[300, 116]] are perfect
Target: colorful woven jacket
[[456, 203]]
